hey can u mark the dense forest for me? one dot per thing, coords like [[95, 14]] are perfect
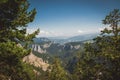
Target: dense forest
[[98, 60]]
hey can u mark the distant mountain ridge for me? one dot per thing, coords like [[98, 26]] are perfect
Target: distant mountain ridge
[[83, 37], [66, 40], [63, 48]]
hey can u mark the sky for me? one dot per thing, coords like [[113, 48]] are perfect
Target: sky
[[66, 18]]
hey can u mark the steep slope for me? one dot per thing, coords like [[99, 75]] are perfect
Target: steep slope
[[49, 50], [36, 61]]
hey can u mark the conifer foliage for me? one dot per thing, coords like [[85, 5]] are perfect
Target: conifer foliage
[[57, 72], [102, 57], [14, 17]]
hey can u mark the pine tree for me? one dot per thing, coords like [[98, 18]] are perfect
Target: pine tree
[[57, 72], [102, 57], [14, 17]]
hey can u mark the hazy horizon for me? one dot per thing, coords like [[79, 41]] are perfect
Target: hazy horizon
[[56, 18]]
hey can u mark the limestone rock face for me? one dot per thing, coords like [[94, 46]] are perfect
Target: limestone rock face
[[38, 48], [47, 45], [36, 61], [77, 46]]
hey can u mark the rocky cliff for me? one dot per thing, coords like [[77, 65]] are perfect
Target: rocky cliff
[[36, 61]]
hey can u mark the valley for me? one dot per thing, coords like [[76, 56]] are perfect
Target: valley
[[48, 49]]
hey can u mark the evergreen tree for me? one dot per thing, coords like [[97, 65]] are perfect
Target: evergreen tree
[[102, 57], [57, 72], [14, 17]]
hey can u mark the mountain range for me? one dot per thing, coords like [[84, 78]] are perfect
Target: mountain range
[[65, 49], [63, 40]]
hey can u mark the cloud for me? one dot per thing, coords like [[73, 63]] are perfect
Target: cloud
[[80, 31], [48, 33], [102, 28], [31, 30], [44, 32]]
